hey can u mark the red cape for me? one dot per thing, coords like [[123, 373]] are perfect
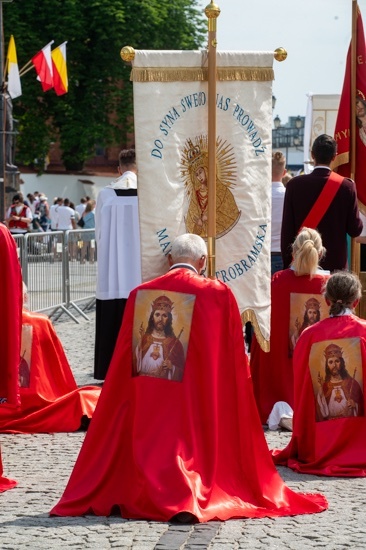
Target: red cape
[[50, 400], [156, 447], [11, 293], [10, 326], [334, 447], [272, 372]]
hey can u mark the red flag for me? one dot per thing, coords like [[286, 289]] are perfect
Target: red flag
[[342, 128], [42, 62]]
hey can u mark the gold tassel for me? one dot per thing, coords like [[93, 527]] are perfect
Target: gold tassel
[[196, 74], [249, 316]]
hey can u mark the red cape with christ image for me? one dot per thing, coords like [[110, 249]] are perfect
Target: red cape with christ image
[[329, 426], [179, 432]]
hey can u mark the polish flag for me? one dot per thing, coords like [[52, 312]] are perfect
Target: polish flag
[[42, 62]]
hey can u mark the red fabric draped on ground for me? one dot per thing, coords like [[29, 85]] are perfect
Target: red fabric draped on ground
[[5, 483], [157, 446], [272, 372], [50, 398], [323, 443]]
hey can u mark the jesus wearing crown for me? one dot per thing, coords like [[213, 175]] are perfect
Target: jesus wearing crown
[[160, 353], [339, 395]]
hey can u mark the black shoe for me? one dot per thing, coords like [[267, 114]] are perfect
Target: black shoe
[[184, 517]]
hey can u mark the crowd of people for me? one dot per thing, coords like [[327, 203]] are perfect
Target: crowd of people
[[34, 214], [177, 434]]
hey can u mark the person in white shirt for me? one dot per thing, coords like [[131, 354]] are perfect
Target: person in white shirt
[[278, 198], [66, 217], [80, 208], [54, 213]]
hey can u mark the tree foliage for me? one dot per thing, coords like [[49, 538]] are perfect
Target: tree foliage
[[98, 106]]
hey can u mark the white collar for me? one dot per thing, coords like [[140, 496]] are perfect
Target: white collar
[[188, 266], [347, 311], [128, 180]]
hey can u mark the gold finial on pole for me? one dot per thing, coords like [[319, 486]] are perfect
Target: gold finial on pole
[[280, 54], [212, 12], [127, 53]]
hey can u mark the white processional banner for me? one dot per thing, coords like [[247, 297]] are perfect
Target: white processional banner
[[171, 112]]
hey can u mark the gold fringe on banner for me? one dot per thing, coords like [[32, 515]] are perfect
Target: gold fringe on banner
[[196, 74], [343, 158], [249, 316]]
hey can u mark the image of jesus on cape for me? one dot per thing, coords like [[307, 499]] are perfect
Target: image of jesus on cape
[[195, 174], [160, 352], [339, 394]]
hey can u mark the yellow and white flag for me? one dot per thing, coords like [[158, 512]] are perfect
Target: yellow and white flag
[[14, 85], [171, 112]]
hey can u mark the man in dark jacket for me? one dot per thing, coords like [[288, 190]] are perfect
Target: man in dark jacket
[[341, 217]]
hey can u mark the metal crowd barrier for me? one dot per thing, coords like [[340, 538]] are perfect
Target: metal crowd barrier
[[59, 269]]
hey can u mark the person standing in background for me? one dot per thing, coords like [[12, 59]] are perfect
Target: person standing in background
[[324, 201], [18, 216], [278, 198], [54, 212], [117, 235], [80, 208], [88, 248]]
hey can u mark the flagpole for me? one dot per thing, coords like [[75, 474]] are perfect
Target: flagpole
[[23, 72], [24, 67], [355, 247], [212, 12], [353, 88]]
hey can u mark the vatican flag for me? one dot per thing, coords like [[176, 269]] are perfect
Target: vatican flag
[[171, 112]]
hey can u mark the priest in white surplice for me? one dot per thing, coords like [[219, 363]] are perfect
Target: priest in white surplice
[[117, 236]]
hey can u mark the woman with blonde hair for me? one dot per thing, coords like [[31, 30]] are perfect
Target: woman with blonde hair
[[296, 303]]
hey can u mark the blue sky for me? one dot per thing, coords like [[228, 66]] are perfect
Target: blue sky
[[315, 33]]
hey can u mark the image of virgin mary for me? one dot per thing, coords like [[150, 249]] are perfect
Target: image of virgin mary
[[196, 173]]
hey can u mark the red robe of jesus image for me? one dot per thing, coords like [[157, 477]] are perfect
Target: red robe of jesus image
[[329, 427], [157, 447]]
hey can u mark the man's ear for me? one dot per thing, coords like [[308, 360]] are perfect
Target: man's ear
[[202, 263], [170, 260]]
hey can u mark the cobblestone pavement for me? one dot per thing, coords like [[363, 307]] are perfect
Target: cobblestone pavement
[[42, 465]]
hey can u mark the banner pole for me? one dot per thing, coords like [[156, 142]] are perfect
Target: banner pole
[[212, 12], [355, 247]]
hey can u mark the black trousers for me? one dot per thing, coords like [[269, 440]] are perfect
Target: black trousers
[[109, 315]]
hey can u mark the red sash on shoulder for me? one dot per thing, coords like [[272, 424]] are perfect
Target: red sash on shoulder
[[323, 202]]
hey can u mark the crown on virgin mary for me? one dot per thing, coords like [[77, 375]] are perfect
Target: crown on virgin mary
[[194, 155]]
